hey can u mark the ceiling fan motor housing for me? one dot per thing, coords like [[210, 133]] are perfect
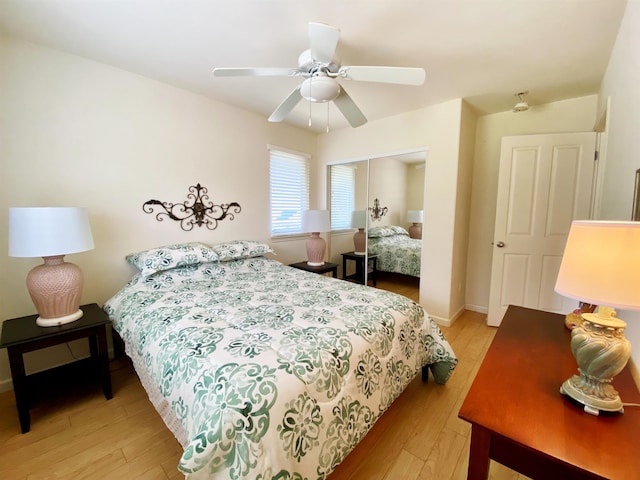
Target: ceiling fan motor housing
[[306, 63]]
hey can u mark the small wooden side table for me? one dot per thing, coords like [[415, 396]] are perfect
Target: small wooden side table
[[520, 419], [372, 267], [22, 335], [327, 267]]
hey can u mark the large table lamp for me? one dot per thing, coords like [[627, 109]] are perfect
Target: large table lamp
[[600, 266], [359, 221], [55, 286], [415, 217], [316, 221]]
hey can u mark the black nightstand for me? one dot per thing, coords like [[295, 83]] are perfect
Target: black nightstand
[[359, 275], [327, 267], [21, 335]]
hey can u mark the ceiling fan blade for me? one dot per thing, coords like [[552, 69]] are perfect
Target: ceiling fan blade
[[255, 72], [323, 40], [286, 106], [349, 109], [402, 75]]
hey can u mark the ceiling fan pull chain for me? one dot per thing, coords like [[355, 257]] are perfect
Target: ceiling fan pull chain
[[310, 84], [327, 117]]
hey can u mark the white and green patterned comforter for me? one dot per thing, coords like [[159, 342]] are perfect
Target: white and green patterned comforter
[[397, 253], [263, 371]]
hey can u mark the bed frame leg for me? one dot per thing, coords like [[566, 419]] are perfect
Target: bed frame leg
[[425, 374]]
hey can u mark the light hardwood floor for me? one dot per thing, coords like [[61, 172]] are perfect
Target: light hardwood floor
[[77, 434]]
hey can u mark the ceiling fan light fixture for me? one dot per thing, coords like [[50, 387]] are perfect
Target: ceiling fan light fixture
[[522, 105], [319, 89]]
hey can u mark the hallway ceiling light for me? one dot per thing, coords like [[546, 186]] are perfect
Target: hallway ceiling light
[[522, 105]]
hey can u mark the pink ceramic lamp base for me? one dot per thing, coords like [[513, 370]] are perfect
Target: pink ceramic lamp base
[[55, 288], [415, 231], [360, 242], [315, 250]]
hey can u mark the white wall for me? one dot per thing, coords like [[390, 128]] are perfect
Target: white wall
[[463, 210], [620, 86], [575, 115], [437, 129], [387, 182], [74, 132], [415, 189]]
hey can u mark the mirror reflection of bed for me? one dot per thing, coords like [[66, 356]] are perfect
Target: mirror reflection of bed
[[397, 182], [398, 259]]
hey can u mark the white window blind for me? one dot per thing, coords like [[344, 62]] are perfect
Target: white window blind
[[289, 181], [343, 183]]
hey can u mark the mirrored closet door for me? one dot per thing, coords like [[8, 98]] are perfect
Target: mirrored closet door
[[348, 186], [380, 199]]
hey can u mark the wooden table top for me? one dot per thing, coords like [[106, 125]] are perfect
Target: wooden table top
[[24, 329], [516, 394]]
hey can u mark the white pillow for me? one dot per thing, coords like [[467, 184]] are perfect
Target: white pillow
[[237, 249], [171, 256]]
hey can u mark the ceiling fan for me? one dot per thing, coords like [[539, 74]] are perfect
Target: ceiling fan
[[320, 67]]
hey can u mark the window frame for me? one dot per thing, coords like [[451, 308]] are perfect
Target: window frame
[[301, 189], [341, 209]]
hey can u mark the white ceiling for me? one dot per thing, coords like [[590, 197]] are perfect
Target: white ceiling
[[481, 50]]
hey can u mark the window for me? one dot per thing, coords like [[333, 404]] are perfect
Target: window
[[343, 182], [289, 182]]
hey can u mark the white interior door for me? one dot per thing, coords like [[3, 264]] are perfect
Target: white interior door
[[545, 182]]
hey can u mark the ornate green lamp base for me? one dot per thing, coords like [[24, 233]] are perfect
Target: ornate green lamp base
[[604, 398], [601, 350]]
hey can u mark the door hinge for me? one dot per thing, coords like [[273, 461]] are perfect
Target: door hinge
[[596, 156]]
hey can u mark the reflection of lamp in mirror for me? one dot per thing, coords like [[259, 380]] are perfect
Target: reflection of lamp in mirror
[[316, 221], [359, 221], [415, 217], [600, 266], [54, 286]]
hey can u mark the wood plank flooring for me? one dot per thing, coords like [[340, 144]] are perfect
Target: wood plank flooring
[[78, 435]]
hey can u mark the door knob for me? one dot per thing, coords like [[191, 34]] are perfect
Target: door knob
[[500, 244]]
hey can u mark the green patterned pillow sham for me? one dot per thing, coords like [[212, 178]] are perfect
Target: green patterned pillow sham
[[237, 249], [386, 231], [171, 256]]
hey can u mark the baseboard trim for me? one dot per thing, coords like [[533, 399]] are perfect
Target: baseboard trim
[[477, 308], [443, 322], [6, 385], [448, 322]]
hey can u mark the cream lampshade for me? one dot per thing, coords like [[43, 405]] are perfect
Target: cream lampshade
[[55, 286], [415, 217], [316, 221], [359, 221], [600, 266]]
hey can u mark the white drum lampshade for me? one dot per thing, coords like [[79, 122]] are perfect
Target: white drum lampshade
[[600, 266], [55, 286], [415, 217], [359, 221], [315, 222]]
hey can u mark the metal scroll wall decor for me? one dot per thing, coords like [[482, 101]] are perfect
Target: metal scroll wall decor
[[200, 212], [376, 212]]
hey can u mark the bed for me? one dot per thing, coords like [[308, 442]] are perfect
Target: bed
[[264, 371], [397, 252]]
